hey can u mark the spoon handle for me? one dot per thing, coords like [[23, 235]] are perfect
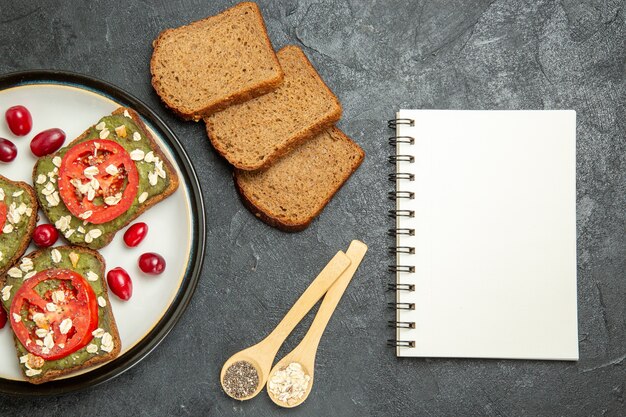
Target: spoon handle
[[311, 340], [337, 265]]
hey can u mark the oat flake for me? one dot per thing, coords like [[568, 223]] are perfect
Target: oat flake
[[32, 372], [15, 273], [65, 326], [6, 292], [98, 333], [55, 255], [289, 384]]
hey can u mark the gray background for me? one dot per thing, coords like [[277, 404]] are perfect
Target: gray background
[[377, 57]]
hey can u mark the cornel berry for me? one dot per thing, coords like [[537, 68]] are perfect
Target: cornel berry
[[46, 142], [135, 234], [152, 263], [19, 120], [8, 150], [3, 317], [120, 283], [45, 235]]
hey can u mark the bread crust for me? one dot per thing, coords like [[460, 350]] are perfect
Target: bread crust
[[56, 373], [169, 168], [321, 125], [235, 97], [287, 226], [30, 227]]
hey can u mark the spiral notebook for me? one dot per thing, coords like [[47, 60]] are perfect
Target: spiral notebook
[[485, 234]]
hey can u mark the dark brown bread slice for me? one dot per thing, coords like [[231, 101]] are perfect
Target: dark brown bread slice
[[207, 65], [8, 259], [252, 135], [292, 192]]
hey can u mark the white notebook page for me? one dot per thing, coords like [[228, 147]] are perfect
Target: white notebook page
[[495, 234]]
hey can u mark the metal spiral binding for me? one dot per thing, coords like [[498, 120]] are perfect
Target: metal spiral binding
[[401, 324], [396, 195], [401, 213], [401, 158], [400, 287], [398, 177], [401, 176], [401, 231], [400, 343], [394, 140], [402, 306], [401, 249], [394, 122], [401, 268]]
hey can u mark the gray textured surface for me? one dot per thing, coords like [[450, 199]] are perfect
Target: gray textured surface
[[376, 56]]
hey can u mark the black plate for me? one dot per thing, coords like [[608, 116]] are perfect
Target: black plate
[[190, 280]]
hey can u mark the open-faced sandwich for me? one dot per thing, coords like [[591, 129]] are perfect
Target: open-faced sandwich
[[18, 216], [58, 307], [103, 180]]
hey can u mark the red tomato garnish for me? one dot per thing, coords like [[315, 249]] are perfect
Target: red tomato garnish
[[135, 234], [45, 235], [152, 263], [120, 283], [19, 120], [109, 186], [3, 215], [33, 304]]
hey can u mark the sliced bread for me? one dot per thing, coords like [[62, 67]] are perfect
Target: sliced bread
[[18, 217], [293, 191], [209, 64], [252, 135]]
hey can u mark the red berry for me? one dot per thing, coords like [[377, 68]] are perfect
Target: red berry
[[45, 235], [46, 142], [135, 234], [120, 283], [152, 263], [19, 120], [3, 317], [8, 150]]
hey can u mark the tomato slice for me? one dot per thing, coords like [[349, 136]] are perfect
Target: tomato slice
[[3, 215], [44, 311], [98, 180]]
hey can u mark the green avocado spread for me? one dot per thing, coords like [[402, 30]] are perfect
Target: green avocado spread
[[123, 130], [91, 268], [19, 209]]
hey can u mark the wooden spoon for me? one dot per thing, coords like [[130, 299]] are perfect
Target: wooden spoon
[[305, 352], [262, 355]]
